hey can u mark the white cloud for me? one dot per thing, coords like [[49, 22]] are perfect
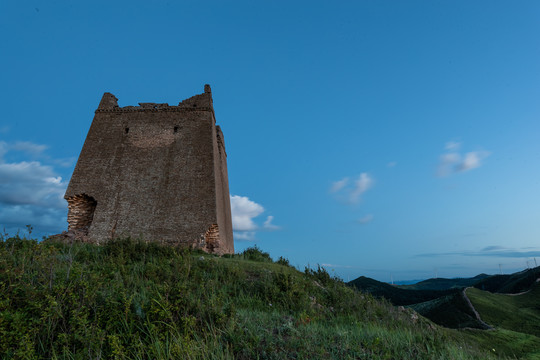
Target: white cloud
[[268, 223], [338, 185], [391, 164], [365, 219], [450, 158], [42, 219], [28, 147], [351, 192], [361, 185], [452, 146], [453, 162], [472, 160], [244, 235], [31, 183], [447, 162], [3, 150], [244, 211], [30, 192]]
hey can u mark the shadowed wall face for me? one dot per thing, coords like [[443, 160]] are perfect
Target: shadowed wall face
[[154, 171]]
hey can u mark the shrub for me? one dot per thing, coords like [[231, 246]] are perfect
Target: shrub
[[256, 254]]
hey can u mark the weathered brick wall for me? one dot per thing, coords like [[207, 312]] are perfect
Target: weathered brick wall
[[155, 171], [80, 212]]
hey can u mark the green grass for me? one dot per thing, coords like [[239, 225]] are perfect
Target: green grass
[[507, 343], [451, 311], [131, 300], [516, 318], [520, 313], [510, 283]]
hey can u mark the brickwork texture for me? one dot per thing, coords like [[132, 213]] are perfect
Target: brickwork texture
[[155, 172]]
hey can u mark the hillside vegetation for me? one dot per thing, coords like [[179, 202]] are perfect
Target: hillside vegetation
[[445, 284], [511, 283], [131, 300], [451, 311], [520, 313], [508, 322], [398, 295]]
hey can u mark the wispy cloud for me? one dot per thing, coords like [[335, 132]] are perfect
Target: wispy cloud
[[29, 147], [391, 164], [244, 211], [365, 219], [338, 185], [453, 161], [268, 223], [489, 251], [494, 248], [244, 235], [352, 190], [452, 146], [339, 266], [472, 160], [361, 185]]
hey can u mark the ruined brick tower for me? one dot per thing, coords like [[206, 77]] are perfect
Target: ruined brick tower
[[153, 171]]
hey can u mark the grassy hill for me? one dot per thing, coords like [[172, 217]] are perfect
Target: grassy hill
[[510, 284], [396, 294], [445, 284], [451, 311], [131, 300], [520, 313], [516, 318]]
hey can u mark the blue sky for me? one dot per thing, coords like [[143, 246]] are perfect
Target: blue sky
[[390, 139]]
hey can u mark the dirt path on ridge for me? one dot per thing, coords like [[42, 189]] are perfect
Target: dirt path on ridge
[[476, 314]]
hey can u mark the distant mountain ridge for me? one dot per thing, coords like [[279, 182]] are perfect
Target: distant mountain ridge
[[444, 301], [444, 284], [397, 295]]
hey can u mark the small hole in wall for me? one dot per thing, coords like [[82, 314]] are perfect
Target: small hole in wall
[[126, 130], [194, 105], [175, 129]]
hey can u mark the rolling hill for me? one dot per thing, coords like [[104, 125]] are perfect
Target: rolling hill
[[133, 300], [397, 295], [445, 284], [520, 313], [507, 317]]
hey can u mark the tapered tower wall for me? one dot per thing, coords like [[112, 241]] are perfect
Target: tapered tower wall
[[155, 172]]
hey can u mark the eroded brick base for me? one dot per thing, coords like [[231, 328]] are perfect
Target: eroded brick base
[[80, 212], [210, 240]]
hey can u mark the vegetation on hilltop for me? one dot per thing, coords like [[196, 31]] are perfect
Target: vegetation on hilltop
[[396, 294], [445, 284], [132, 300], [511, 283], [451, 311], [515, 317], [519, 313]]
